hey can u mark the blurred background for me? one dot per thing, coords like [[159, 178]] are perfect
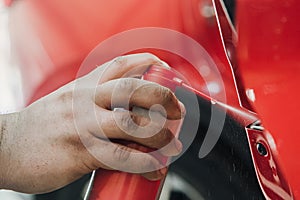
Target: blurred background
[[10, 79], [10, 87]]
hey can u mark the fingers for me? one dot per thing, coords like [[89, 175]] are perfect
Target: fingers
[[146, 130], [155, 175], [123, 158], [130, 126], [133, 65], [128, 92], [113, 92]]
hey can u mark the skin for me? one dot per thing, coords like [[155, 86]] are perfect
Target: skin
[[42, 148]]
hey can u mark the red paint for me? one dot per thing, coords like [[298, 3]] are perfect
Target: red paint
[[120, 185], [267, 168], [268, 55], [117, 185]]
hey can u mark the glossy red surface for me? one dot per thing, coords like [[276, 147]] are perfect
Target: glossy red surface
[[120, 185], [268, 56], [269, 174]]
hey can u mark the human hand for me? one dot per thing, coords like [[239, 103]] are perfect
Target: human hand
[[65, 134]]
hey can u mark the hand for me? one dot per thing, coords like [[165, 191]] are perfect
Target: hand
[[65, 134]]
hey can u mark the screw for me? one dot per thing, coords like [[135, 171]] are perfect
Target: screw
[[262, 150]]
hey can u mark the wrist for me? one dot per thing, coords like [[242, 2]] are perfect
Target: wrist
[[8, 126]]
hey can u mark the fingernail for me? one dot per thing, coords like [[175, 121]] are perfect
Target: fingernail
[[163, 64], [182, 109], [163, 171], [120, 110], [178, 145]]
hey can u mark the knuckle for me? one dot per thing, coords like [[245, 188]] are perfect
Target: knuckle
[[135, 119], [126, 84], [150, 56], [65, 96], [120, 60], [128, 122], [121, 153]]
